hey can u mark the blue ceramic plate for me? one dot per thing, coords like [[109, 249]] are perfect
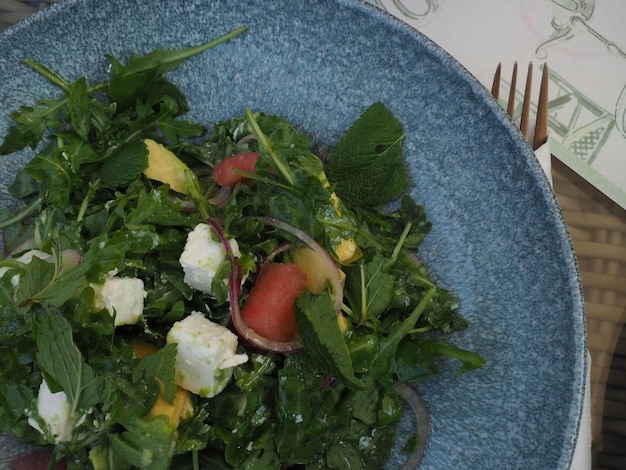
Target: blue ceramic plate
[[498, 240]]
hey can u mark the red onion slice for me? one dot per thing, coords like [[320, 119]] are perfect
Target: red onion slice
[[39, 459], [29, 244], [234, 291], [422, 423], [221, 197], [277, 251], [335, 280]]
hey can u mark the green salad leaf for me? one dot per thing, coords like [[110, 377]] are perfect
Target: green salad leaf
[[322, 338], [105, 352], [366, 164], [62, 361]]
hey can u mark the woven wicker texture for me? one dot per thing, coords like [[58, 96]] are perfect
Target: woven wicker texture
[[598, 230], [12, 11]]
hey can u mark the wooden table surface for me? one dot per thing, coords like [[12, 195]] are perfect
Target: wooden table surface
[[598, 230]]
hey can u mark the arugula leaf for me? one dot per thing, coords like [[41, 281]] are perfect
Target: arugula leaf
[[366, 165], [469, 359], [78, 107], [294, 405], [388, 346], [30, 125], [52, 168], [160, 111], [319, 331], [130, 81], [248, 428], [145, 444]]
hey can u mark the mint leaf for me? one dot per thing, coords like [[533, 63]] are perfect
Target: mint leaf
[[34, 278], [125, 165], [319, 332], [59, 357], [366, 165], [159, 365], [45, 283], [369, 288]]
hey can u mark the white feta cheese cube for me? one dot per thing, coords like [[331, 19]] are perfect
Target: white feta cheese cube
[[202, 256], [206, 354], [123, 298], [56, 412]]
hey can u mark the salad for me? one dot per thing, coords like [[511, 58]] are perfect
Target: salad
[[179, 295]]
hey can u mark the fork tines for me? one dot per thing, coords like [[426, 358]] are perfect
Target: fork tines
[[541, 123]]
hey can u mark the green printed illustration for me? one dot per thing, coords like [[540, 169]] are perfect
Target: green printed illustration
[[416, 12], [584, 46]]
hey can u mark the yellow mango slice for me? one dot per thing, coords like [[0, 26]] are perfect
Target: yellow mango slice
[[348, 251], [165, 167], [315, 268], [181, 407]]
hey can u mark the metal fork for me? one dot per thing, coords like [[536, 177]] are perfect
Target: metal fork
[[541, 123]]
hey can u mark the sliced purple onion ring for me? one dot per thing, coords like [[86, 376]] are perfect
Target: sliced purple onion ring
[[235, 277], [234, 294], [29, 244], [422, 423], [276, 251], [335, 280], [221, 197], [246, 138]]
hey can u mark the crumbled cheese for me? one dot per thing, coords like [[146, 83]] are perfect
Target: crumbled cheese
[[206, 354], [56, 413], [202, 256], [122, 297]]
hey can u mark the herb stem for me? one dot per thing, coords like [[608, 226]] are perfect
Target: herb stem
[[83, 206], [97, 87], [183, 54], [266, 145], [423, 329], [195, 193], [28, 210], [194, 457], [51, 75], [407, 325], [398, 247], [114, 215], [363, 317]]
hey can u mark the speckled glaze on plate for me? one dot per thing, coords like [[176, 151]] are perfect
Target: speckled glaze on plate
[[498, 240]]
